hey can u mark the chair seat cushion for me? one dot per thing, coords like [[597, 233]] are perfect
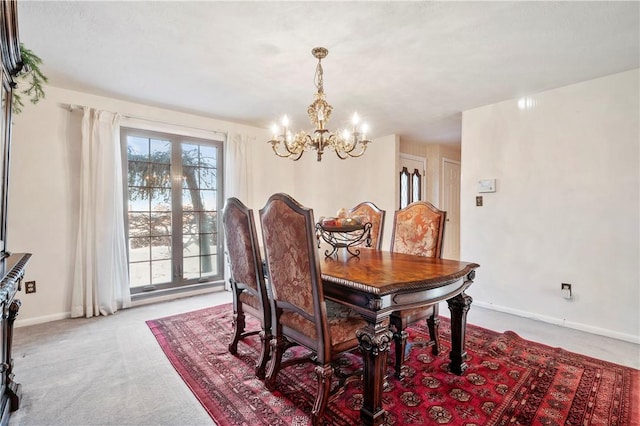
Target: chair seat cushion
[[409, 316], [250, 299], [343, 323]]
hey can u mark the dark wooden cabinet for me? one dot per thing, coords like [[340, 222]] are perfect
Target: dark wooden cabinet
[[12, 266], [11, 66]]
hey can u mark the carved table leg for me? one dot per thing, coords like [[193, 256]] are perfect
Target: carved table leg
[[374, 343], [13, 388], [459, 306]]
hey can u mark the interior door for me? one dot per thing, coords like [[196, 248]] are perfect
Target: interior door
[[451, 204]]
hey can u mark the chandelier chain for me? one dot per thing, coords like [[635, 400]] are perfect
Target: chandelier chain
[[317, 79]]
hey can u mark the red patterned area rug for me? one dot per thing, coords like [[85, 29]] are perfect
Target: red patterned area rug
[[509, 381]]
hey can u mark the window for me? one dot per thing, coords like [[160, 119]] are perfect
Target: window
[[410, 187], [174, 194]]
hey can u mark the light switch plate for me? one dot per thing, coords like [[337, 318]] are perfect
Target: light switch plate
[[487, 185]]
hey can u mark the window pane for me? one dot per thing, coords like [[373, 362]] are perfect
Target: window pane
[[187, 203], [208, 265], [208, 156], [211, 222], [189, 223], [139, 274], [404, 188], [160, 248], [138, 224], [137, 148], [160, 151], [160, 176], [191, 267], [208, 241], [416, 185], [160, 224], [208, 178], [209, 201], [138, 172], [189, 176], [161, 271], [190, 154], [191, 245], [139, 249], [161, 200], [138, 200]]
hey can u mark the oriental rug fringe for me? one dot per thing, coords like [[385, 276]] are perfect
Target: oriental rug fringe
[[509, 380]]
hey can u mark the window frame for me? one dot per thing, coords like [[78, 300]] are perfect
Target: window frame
[[177, 250]]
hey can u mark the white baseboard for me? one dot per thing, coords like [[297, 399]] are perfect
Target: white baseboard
[[40, 320], [560, 321], [162, 298]]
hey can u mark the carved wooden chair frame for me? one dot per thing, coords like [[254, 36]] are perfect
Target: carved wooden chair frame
[[257, 289], [376, 240], [399, 320], [323, 352]]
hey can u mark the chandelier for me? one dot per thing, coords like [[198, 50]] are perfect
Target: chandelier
[[345, 143]]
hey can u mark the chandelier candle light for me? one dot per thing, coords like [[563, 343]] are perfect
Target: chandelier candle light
[[345, 143]]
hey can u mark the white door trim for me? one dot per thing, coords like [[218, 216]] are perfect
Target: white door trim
[[445, 160], [424, 174], [451, 248]]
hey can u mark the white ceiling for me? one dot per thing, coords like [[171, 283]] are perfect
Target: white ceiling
[[408, 68]]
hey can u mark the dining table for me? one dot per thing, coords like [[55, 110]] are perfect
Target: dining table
[[376, 283]]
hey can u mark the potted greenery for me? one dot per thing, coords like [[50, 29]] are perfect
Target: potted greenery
[[31, 77]]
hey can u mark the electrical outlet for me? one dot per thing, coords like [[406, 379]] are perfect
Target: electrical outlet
[[479, 201], [30, 287], [566, 290]]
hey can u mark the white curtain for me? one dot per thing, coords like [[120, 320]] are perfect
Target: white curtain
[[101, 280], [237, 168], [236, 182]]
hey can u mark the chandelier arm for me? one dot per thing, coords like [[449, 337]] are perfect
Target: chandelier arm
[[296, 158], [285, 155], [286, 146], [359, 154], [340, 155], [349, 153]]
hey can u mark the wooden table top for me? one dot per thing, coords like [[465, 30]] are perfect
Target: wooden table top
[[381, 272]]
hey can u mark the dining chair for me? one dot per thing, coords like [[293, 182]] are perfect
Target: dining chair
[[371, 213], [300, 314], [247, 280], [417, 229]]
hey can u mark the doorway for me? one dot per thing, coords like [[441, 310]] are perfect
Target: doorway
[[450, 202]]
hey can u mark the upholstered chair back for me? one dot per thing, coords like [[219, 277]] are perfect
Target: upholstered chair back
[[300, 315], [249, 288], [289, 242], [371, 213], [419, 229], [242, 243]]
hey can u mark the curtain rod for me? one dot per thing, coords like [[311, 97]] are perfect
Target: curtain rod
[[75, 107]]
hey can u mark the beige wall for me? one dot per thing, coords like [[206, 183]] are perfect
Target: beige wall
[[434, 153], [333, 183], [566, 209], [43, 200], [43, 197]]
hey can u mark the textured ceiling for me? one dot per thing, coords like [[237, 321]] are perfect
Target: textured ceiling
[[408, 68]]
